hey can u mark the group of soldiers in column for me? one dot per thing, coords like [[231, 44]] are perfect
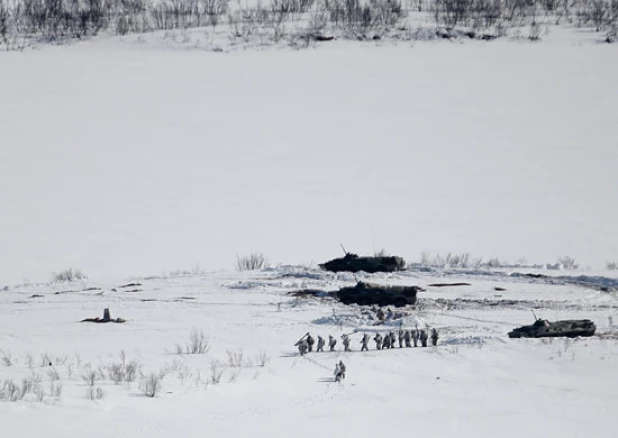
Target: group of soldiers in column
[[404, 338]]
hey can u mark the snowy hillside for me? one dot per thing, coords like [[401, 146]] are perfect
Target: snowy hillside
[[151, 162], [475, 383], [124, 158]]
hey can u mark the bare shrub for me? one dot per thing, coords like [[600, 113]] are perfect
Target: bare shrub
[[200, 383], [216, 372], [7, 359], [611, 266], [262, 359], [95, 393], [123, 371], [234, 375], [568, 263], [91, 377], [151, 385], [55, 390], [40, 394], [235, 358], [68, 276], [10, 391], [53, 374], [251, 262], [45, 360], [198, 343], [214, 9], [30, 384]]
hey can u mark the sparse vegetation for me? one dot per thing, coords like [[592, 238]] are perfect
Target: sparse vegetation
[[95, 393], [198, 343], [151, 385], [298, 22], [262, 359], [611, 266], [235, 358], [568, 263], [124, 371], [216, 372], [252, 262], [7, 359], [68, 276]]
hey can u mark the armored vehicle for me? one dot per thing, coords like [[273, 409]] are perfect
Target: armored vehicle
[[543, 328], [368, 293], [353, 263]]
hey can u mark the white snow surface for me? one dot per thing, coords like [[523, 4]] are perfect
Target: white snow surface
[[124, 156], [475, 383], [128, 157]]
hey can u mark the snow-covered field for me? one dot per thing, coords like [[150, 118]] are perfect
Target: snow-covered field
[[477, 382], [127, 157], [121, 158]]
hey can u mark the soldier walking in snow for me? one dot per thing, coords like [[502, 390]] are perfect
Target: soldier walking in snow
[[386, 341], [332, 342], [407, 338], [310, 342], [393, 340], [339, 371], [400, 338], [378, 339], [321, 343], [434, 337], [364, 342], [346, 342], [423, 337], [302, 346], [415, 337]]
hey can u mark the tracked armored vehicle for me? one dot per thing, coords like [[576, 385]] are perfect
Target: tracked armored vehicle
[[366, 294], [353, 263], [542, 328]]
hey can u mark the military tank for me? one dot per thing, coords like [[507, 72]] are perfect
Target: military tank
[[354, 263], [366, 294], [542, 328]]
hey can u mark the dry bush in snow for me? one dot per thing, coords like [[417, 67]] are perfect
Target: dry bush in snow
[[568, 263], [7, 359], [198, 344], [216, 371], [235, 358], [95, 393], [10, 391], [90, 376], [611, 266], [262, 359], [151, 385], [68, 276], [53, 374], [55, 390], [251, 262], [124, 371]]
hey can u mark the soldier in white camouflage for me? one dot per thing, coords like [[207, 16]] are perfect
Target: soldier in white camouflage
[[331, 343], [400, 338], [407, 337], [346, 342], [321, 343], [310, 342], [364, 342], [302, 346], [434, 337], [378, 339], [423, 337]]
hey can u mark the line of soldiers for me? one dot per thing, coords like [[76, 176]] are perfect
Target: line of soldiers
[[390, 340]]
